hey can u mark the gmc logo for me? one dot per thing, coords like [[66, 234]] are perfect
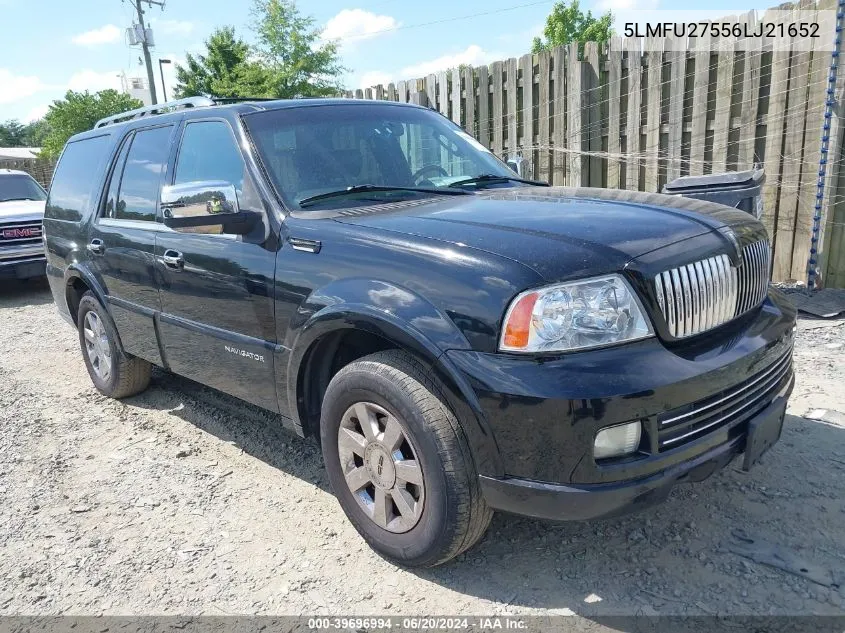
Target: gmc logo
[[14, 234]]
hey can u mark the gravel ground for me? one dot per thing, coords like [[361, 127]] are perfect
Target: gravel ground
[[184, 501]]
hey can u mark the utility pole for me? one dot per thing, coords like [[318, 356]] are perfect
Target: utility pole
[[145, 45]]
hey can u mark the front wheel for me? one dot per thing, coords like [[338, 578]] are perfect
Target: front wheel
[[113, 372], [399, 463]]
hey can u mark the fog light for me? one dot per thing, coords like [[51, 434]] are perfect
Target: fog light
[[614, 441]]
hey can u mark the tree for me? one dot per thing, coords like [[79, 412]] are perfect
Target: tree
[[13, 133], [79, 111], [226, 70], [290, 48], [36, 132], [567, 23]]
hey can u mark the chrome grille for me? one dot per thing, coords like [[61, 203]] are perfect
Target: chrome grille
[[702, 295], [685, 424]]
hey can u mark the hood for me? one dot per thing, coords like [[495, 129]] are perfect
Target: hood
[[558, 231], [21, 210]]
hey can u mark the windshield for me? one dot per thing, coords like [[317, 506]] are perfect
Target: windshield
[[313, 150], [20, 187]]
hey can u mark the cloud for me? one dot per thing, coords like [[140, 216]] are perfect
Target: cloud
[[626, 5], [357, 24], [16, 87], [373, 78], [94, 81], [107, 34], [474, 55], [174, 27], [36, 113]]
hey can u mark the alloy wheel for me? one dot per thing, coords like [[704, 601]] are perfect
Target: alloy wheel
[[380, 466], [97, 345]]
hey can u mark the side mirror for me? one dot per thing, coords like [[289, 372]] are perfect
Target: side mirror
[[519, 166], [205, 207]]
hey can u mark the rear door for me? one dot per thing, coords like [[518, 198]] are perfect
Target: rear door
[[217, 323], [121, 243]]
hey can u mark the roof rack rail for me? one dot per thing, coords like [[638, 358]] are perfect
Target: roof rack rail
[[225, 100], [190, 102]]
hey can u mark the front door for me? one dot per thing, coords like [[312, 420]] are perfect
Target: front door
[[122, 239], [217, 322]]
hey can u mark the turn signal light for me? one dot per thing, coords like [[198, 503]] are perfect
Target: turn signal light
[[518, 322]]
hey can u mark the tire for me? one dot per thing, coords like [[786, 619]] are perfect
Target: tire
[[127, 375], [442, 516]]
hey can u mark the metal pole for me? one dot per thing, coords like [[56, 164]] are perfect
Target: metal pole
[[146, 48], [829, 104], [161, 70]]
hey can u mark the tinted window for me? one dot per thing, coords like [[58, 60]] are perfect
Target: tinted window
[[114, 183], [209, 152], [141, 180], [76, 177], [20, 187], [312, 150]]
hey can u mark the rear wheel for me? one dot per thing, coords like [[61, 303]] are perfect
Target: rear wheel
[[113, 372], [399, 463]]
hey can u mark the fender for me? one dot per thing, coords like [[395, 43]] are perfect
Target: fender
[[77, 270], [408, 321]]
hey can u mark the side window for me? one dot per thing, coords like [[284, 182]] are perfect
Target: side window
[[110, 204], [76, 178], [139, 186], [209, 152]]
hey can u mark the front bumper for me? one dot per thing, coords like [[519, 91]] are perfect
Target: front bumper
[[576, 502], [544, 413], [23, 268]]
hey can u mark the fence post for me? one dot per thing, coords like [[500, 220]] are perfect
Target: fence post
[[654, 55], [512, 102], [678, 66], [575, 119], [592, 88], [614, 81], [634, 122], [526, 65], [558, 113], [544, 107]]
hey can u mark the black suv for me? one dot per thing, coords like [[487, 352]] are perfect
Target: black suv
[[458, 339]]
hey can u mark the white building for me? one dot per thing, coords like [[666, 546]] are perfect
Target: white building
[[136, 87]]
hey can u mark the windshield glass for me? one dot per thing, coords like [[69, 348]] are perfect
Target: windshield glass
[[20, 187], [312, 150]]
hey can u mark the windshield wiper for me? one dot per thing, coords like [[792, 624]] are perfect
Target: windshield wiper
[[310, 200], [481, 178], [15, 199]]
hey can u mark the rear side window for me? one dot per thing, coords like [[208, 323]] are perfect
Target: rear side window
[[137, 197], [76, 179]]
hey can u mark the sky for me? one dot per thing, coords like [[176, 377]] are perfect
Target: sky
[[50, 46]]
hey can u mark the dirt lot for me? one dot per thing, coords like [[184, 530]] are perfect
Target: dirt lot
[[183, 501]]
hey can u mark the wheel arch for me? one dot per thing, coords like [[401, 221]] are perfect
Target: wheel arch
[[78, 280], [319, 352]]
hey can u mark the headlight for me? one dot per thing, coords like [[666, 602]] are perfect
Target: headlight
[[574, 315]]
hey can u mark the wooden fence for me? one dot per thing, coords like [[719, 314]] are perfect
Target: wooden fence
[[634, 116], [40, 169]]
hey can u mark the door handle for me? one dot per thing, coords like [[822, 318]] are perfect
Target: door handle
[[173, 259], [96, 247]]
